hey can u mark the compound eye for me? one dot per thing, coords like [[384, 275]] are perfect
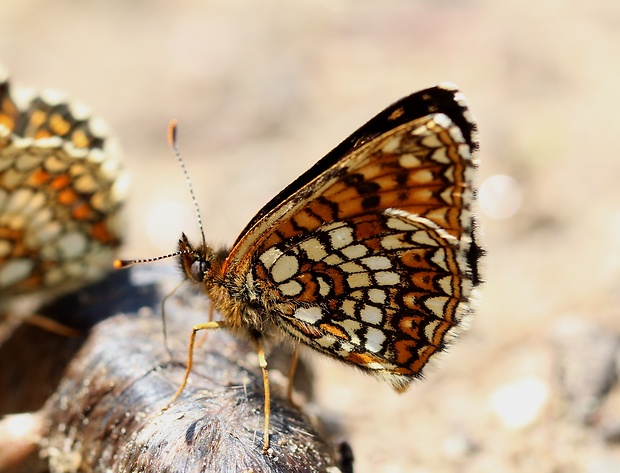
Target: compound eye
[[198, 270]]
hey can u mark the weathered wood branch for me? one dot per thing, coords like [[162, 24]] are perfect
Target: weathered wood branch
[[105, 413]]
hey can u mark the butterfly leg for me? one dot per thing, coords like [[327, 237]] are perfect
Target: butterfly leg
[[291, 374], [211, 310], [163, 317], [190, 355], [263, 366]]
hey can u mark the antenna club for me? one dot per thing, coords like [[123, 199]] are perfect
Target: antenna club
[[172, 133], [119, 263]]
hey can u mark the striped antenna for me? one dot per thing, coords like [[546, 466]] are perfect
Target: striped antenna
[[124, 263], [172, 141]]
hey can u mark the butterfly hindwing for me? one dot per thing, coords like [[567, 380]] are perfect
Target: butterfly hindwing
[[379, 291]]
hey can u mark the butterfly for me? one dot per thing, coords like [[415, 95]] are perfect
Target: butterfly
[[369, 257], [61, 192]]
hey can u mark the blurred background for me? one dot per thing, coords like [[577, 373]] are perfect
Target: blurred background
[[262, 90]]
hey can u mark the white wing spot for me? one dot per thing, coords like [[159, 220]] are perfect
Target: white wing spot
[[351, 327], [439, 214], [446, 195], [393, 242], [440, 156], [439, 258], [377, 296], [449, 174], [310, 315], [423, 238], [465, 152], [436, 305], [15, 271], [442, 120], [37, 202], [341, 237], [55, 165], [72, 245], [49, 231], [374, 339], [376, 263], [354, 251], [345, 349], [432, 140], [420, 193], [387, 278], [324, 288], [284, 268], [314, 249], [423, 176], [351, 267], [392, 146], [326, 341], [420, 131], [429, 329], [446, 284], [358, 295], [409, 161], [28, 162], [348, 307], [402, 223], [291, 288], [18, 200], [457, 135], [270, 256], [333, 260], [371, 314], [358, 280], [85, 184]]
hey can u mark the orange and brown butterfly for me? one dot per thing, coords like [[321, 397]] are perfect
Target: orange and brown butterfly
[[61, 191], [369, 257]]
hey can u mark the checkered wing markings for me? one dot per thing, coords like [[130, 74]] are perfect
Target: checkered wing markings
[[370, 262], [60, 195], [423, 166], [43, 120], [379, 291], [39, 118]]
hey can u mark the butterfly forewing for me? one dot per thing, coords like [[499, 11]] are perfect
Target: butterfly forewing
[[368, 256]]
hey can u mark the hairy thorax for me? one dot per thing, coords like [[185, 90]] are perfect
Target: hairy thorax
[[247, 307]]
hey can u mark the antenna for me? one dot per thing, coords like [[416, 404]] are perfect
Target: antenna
[[124, 263], [172, 141]]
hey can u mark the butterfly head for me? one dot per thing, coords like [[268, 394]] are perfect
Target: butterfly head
[[196, 262]]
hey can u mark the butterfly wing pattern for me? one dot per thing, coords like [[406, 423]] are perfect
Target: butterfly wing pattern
[[61, 191], [370, 256]]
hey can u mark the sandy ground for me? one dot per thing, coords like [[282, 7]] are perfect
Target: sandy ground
[[264, 89]]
